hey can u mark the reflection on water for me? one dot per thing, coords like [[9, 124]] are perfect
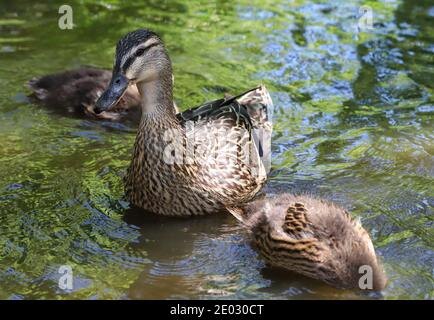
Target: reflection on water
[[353, 123]]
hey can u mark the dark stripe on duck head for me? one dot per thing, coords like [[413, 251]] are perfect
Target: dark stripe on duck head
[[131, 59]]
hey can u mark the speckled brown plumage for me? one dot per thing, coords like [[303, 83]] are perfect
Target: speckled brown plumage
[[215, 178], [195, 162], [312, 237]]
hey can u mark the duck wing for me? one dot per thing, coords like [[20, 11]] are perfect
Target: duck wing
[[212, 108], [230, 144], [259, 106], [254, 108]]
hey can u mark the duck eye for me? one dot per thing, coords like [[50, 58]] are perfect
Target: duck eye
[[140, 52]]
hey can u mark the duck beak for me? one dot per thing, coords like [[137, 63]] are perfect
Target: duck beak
[[117, 87]]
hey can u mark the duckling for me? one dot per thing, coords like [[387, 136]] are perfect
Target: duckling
[[76, 92], [195, 162], [312, 237]]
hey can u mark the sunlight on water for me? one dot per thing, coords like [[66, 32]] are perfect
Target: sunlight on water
[[353, 123]]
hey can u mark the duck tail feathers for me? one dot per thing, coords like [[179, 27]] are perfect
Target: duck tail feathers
[[260, 109]]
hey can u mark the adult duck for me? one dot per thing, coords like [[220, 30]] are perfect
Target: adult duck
[[195, 162]]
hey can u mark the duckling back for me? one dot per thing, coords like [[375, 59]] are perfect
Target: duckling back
[[315, 238]]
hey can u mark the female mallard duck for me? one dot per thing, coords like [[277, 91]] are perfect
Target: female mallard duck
[[195, 162], [312, 237], [76, 91]]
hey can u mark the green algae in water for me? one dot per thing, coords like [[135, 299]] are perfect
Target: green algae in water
[[353, 123]]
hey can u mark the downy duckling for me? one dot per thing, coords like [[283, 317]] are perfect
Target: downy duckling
[[76, 92], [313, 237]]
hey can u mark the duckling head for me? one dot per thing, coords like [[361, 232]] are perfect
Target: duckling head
[[349, 256], [140, 58]]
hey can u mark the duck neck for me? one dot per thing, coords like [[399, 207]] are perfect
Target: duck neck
[[157, 97]]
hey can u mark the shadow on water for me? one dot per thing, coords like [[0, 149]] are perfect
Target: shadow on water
[[175, 246]]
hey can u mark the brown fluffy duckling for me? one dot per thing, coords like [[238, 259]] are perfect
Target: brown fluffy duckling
[[76, 92], [312, 237]]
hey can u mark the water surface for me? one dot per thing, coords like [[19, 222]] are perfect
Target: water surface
[[353, 123]]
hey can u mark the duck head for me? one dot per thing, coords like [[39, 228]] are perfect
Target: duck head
[[140, 58]]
